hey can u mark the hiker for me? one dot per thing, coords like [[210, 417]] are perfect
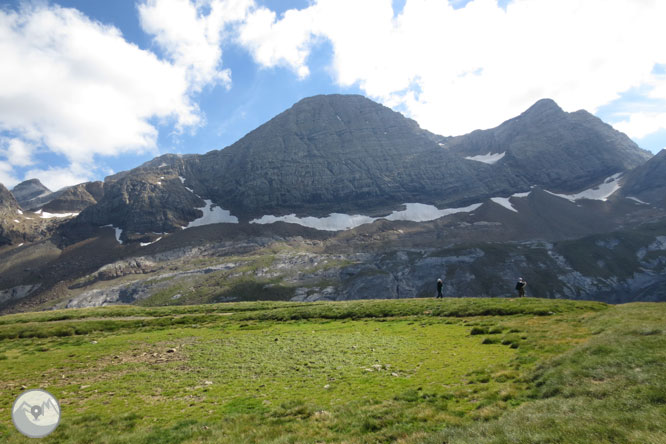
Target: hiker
[[520, 286], [440, 284]]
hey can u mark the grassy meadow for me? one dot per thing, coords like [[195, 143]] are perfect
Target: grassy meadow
[[408, 371]]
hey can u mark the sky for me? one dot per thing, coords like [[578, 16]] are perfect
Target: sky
[[92, 87]]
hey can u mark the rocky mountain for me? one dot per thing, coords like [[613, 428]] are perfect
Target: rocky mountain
[[553, 149], [30, 194], [326, 154], [17, 227], [33, 196], [647, 182], [74, 199], [347, 154], [9, 210], [340, 198]]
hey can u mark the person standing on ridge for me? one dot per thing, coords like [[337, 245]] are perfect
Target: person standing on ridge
[[520, 286], [440, 284]]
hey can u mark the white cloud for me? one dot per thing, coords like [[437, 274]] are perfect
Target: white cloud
[[455, 70], [55, 178], [78, 89], [191, 37], [285, 42], [641, 124], [7, 177], [17, 151]]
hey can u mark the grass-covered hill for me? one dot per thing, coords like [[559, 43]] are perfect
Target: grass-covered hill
[[409, 371]]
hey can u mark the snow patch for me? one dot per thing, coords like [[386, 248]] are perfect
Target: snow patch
[[601, 192], [45, 215], [145, 244], [489, 158], [506, 203], [637, 200], [212, 215], [417, 212], [333, 222], [414, 212], [520, 195], [119, 232]]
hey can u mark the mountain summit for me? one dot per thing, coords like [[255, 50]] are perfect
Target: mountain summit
[[555, 149]]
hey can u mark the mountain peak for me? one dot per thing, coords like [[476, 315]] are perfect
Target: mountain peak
[[31, 183], [28, 190], [543, 106]]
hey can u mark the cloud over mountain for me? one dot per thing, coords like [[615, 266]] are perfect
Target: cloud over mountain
[[456, 69], [78, 88]]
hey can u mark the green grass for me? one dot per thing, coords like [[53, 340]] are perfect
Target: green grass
[[439, 371]]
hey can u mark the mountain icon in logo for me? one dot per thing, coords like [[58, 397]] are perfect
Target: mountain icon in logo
[[36, 413]]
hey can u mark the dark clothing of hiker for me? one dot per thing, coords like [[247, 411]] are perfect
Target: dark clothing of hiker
[[440, 284], [520, 286]]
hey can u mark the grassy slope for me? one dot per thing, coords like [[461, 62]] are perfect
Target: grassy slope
[[458, 370]]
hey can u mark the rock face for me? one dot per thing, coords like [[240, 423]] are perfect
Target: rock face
[[648, 181], [143, 202], [336, 153], [76, 198], [30, 194], [9, 212], [7, 201], [553, 149]]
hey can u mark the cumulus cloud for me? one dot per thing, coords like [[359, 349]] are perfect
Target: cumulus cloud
[[191, 34], [17, 151], [79, 89], [7, 176], [455, 70], [642, 124], [284, 42], [55, 178]]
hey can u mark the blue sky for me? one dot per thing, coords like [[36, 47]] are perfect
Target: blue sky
[[92, 87]]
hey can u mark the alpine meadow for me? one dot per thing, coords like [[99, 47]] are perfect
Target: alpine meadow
[[249, 221]]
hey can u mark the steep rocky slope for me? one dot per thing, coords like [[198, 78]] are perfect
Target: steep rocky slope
[[553, 149], [648, 181]]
